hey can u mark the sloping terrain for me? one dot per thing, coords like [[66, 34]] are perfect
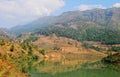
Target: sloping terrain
[[72, 39], [23, 53], [92, 25], [9, 70], [55, 46]]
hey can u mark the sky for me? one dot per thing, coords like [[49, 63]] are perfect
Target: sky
[[20, 12]]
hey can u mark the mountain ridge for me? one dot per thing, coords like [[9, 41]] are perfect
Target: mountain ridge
[[98, 16], [92, 25]]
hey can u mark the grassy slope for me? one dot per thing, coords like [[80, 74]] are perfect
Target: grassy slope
[[9, 70], [56, 48], [67, 47]]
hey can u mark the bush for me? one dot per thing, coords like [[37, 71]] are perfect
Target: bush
[[42, 51], [24, 46], [70, 43], [35, 57], [112, 59], [2, 42], [115, 48], [30, 50], [92, 47], [12, 48], [56, 48], [31, 39]]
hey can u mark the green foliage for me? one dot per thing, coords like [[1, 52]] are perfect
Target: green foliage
[[42, 62], [112, 59], [85, 45], [42, 52], [56, 48], [2, 42], [104, 34], [115, 48], [24, 61], [12, 48], [31, 39], [35, 57], [96, 48], [30, 50], [24, 46], [70, 43], [92, 47], [4, 56]]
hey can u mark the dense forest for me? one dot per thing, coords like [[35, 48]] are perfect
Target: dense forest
[[105, 35]]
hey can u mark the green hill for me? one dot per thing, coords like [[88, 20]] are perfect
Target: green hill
[[92, 25]]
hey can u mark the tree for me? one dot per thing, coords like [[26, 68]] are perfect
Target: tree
[[42, 51], [12, 48]]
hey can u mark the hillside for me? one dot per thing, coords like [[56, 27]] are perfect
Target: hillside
[[67, 41], [92, 25], [26, 51], [53, 43]]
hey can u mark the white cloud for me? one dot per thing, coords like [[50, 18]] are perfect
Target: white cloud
[[21, 11], [84, 7], [116, 5]]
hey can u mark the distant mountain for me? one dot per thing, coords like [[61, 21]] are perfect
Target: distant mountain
[[98, 16], [40, 23], [4, 34], [97, 25]]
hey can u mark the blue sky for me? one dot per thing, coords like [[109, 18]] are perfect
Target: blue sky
[[106, 3], [74, 4], [19, 12]]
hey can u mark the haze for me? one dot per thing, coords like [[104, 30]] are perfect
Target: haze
[[19, 12]]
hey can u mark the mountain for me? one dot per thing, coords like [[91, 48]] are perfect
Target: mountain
[[4, 34], [70, 40], [45, 21], [92, 25]]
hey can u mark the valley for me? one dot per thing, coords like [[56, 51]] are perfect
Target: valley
[[49, 54], [46, 49], [84, 43]]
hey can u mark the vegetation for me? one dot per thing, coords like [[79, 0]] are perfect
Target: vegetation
[[56, 48], [112, 59], [24, 46], [105, 35], [31, 39], [115, 48], [81, 26], [92, 47], [12, 48], [94, 25], [69, 43], [2, 42], [42, 51]]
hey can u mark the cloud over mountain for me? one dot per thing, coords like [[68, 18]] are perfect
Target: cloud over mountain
[[116, 5], [84, 7], [25, 10]]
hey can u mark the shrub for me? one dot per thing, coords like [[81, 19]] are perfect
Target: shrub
[[115, 48], [30, 50], [2, 42], [70, 43], [42, 51], [56, 48], [31, 39], [12, 48], [112, 59], [92, 47]]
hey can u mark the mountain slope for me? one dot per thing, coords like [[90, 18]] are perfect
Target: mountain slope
[[92, 25]]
